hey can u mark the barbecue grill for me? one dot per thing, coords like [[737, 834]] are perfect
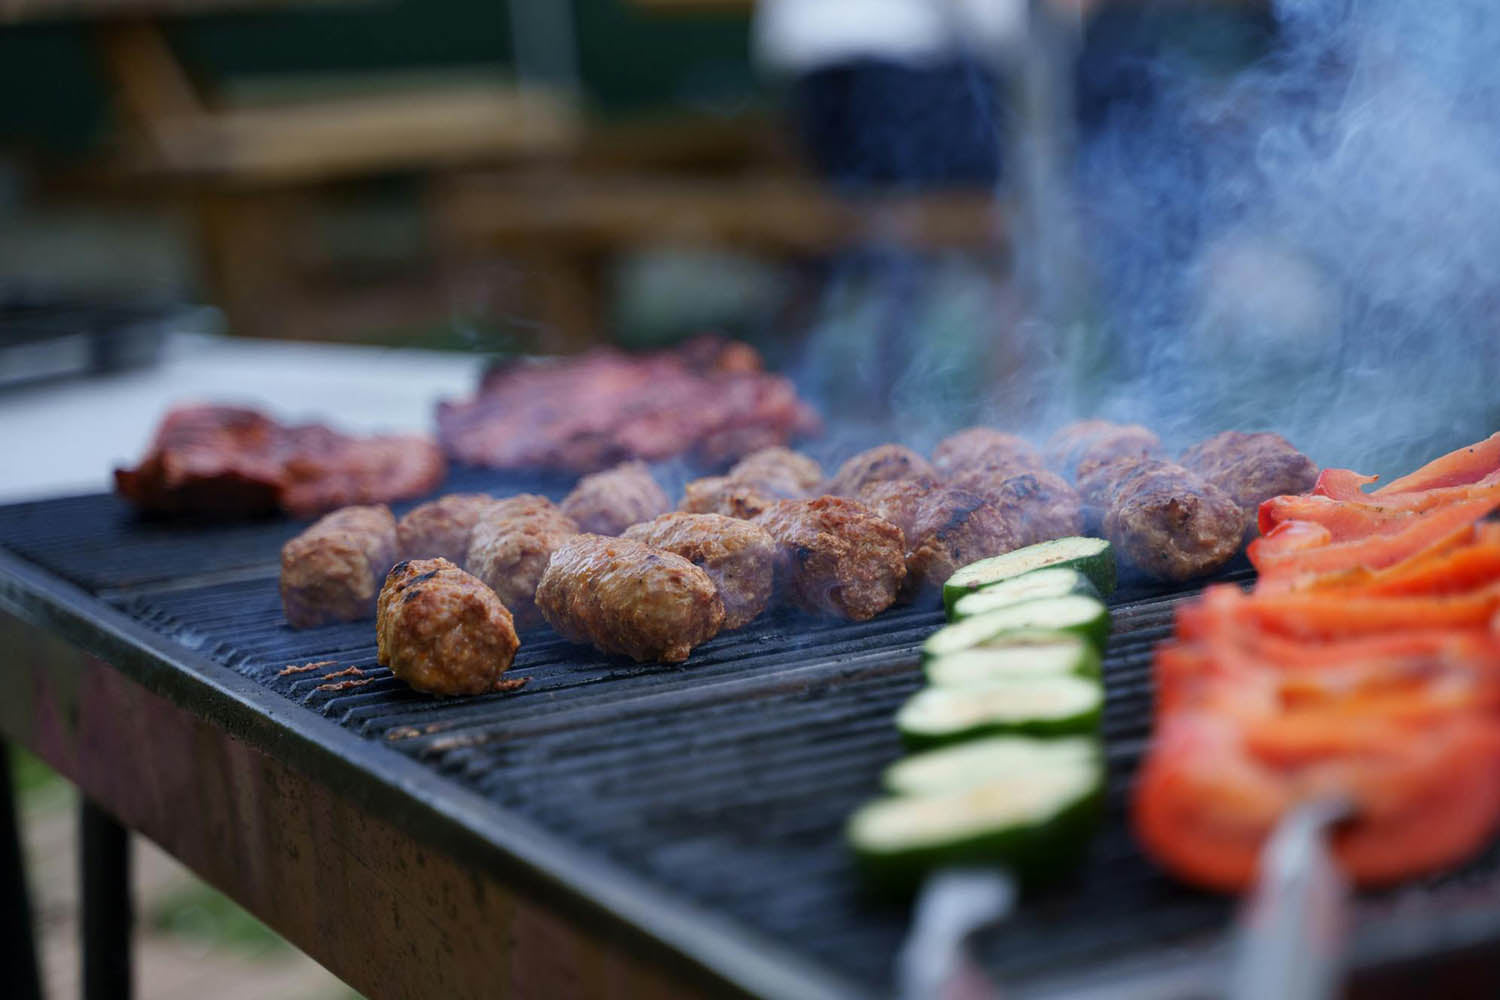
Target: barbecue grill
[[640, 828]]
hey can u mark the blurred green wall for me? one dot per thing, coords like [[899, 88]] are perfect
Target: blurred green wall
[[630, 62]]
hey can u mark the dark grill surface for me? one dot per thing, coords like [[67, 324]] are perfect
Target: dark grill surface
[[727, 781]]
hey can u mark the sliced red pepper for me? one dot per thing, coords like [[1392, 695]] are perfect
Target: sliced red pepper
[[1343, 519], [1343, 484], [1468, 464], [1318, 614]]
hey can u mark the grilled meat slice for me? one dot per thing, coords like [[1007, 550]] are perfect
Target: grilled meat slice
[[441, 630], [1251, 468], [606, 503], [1039, 505], [836, 556], [509, 548], [978, 448], [1168, 522], [627, 597], [737, 555], [333, 570], [442, 527], [1076, 448], [945, 528], [879, 464]]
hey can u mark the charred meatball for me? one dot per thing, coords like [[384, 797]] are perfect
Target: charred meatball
[[332, 571], [606, 503], [722, 495], [1251, 468], [443, 631], [1077, 447], [509, 549], [1167, 521], [836, 556], [1039, 505], [627, 597], [984, 448], [945, 528], [440, 528], [738, 556], [879, 464], [788, 474]]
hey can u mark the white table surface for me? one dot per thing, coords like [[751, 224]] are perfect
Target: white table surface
[[67, 437]]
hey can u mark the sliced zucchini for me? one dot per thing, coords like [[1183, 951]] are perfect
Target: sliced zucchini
[[977, 762], [1082, 615], [1038, 654], [1037, 706], [1092, 557], [1058, 581], [1035, 823]]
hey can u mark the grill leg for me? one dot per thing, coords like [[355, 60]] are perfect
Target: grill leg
[[106, 904], [17, 946]]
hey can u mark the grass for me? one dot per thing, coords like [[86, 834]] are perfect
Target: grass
[[202, 914]]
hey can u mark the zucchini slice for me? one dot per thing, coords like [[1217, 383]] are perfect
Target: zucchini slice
[[1092, 557], [1041, 654], [1037, 706], [1057, 581], [1084, 616], [1036, 823], [977, 762]]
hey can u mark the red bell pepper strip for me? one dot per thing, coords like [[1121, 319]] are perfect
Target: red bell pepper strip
[[1467, 465], [1342, 484], [1330, 615]]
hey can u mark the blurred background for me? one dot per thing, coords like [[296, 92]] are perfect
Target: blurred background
[[1198, 214]]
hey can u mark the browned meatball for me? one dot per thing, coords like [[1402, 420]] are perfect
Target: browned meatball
[[441, 630], [606, 503], [945, 528], [878, 464], [1251, 468], [1076, 447], [441, 527], [788, 474], [738, 556], [626, 597], [984, 448], [332, 571], [836, 556], [509, 549], [723, 495], [1039, 505], [1169, 522], [1097, 484]]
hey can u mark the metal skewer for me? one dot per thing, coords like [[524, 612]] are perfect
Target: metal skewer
[[934, 963]]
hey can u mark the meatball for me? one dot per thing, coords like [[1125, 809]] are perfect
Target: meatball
[[723, 495], [1039, 505], [1169, 522], [606, 503], [984, 448], [441, 527], [1078, 446], [789, 474], [738, 556], [945, 528], [1251, 468], [441, 630], [885, 462], [332, 571], [509, 549], [836, 556], [627, 597]]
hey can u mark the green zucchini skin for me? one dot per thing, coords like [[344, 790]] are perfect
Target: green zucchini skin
[[1093, 557], [1052, 581]]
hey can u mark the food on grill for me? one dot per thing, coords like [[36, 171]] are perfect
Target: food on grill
[[626, 597], [1056, 705], [1251, 468], [977, 449], [510, 546], [836, 556], [332, 571], [1475, 463], [1078, 447], [723, 495], [945, 528], [441, 630], [789, 474], [991, 615], [1039, 504], [737, 555], [876, 465], [1054, 581], [1010, 802], [1166, 520], [1093, 557], [1019, 656], [441, 527], [590, 412], [230, 461], [606, 503], [1364, 668]]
